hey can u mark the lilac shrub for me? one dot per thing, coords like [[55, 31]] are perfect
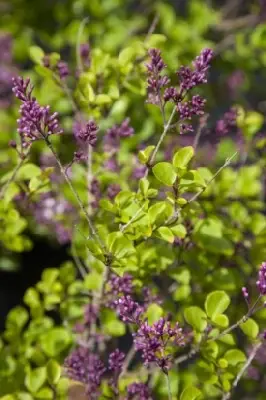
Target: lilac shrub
[[160, 243]]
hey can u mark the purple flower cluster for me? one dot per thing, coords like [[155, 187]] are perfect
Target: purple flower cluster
[[121, 284], [95, 191], [63, 70], [113, 190], [190, 108], [152, 341], [228, 122], [6, 48], [7, 70], [155, 80], [138, 391], [115, 361], [189, 78], [115, 133], [86, 134], [261, 282], [85, 367], [129, 310], [49, 211], [85, 52], [35, 122]]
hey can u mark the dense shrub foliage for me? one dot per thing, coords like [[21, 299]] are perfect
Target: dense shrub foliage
[[134, 135]]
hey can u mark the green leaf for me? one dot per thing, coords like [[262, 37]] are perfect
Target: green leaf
[[191, 393], [17, 317], [196, 317], [145, 154], [216, 303], [28, 171], [93, 247], [210, 350], [252, 123], [114, 328], [144, 186], [221, 320], [250, 328], [11, 191], [179, 231], [36, 54], [93, 281], [183, 156], [126, 55], [154, 313], [32, 298], [191, 180], [234, 357], [119, 245], [102, 99], [35, 378], [55, 341], [165, 173], [45, 393], [166, 234], [222, 363], [209, 234], [53, 372]]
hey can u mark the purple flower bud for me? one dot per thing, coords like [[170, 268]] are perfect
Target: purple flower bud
[[113, 190], [115, 133], [6, 48], [85, 52], [83, 366], [13, 144], [261, 282], [90, 314], [115, 361], [121, 284], [151, 341], [155, 81], [46, 61], [245, 293], [35, 122], [190, 78], [138, 391], [62, 69], [128, 310], [95, 190], [228, 122], [171, 94], [87, 134]]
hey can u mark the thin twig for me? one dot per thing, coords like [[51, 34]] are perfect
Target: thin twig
[[152, 27], [168, 386], [127, 362], [14, 174], [166, 128], [133, 218], [227, 162], [80, 32], [78, 263], [76, 195], [243, 370]]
